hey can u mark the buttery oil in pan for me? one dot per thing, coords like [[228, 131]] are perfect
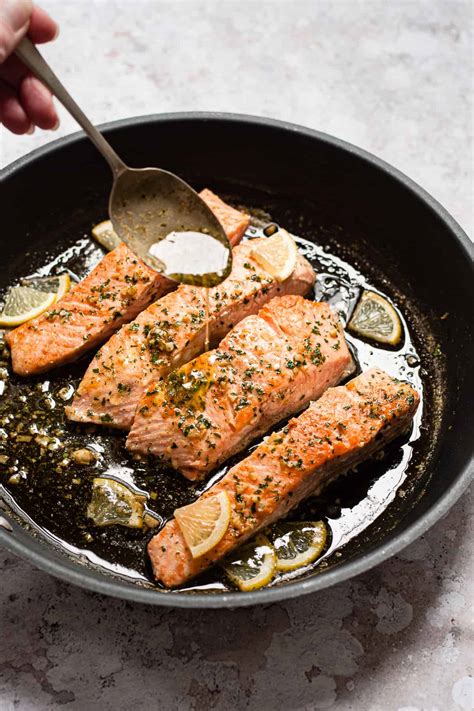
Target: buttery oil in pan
[[44, 483]]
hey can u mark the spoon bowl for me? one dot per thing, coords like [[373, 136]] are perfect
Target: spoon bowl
[[149, 205]]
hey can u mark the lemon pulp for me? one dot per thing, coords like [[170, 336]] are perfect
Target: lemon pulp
[[105, 235], [23, 304], [375, 318], [298, 544], [204, 523], [59, 285], [277, 254], [253, 565]]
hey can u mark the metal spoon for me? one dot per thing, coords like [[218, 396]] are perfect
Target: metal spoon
[[150, 207]]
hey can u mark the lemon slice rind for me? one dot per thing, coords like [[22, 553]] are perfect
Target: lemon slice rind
[[276, 254], [204, 523], [59, 285], [105, 235], [292, 550], [375, 318], [23, 304], [258, 556], [64, 286]]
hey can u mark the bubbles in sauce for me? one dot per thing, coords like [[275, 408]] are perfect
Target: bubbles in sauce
[[51, 493]]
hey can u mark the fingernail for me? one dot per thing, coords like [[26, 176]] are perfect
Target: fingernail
[[31, 130], [56, 34], [56, 126]]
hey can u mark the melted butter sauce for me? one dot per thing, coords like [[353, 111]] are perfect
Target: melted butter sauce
[[192, 258], [51, 492]]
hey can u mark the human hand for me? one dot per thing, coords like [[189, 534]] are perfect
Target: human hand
[[24, 101]]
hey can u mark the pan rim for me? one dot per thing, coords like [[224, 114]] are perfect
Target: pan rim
[[85, 577]]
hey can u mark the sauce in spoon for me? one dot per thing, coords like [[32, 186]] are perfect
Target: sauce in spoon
[[192, 257]]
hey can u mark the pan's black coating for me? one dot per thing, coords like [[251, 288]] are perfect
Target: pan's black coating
[[391, 227]]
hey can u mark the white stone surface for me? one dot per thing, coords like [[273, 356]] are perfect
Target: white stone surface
[[396, 79]]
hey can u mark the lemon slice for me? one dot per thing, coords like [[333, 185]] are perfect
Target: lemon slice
[[375, 318], [105, 235], [23, 303], [204, 523], [113, 503], [277, 254], [58, 285], [253, 565], [298, 544]]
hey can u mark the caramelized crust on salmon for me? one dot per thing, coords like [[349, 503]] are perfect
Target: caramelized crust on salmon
[[114, 292], [269, 366], [345, 426], [171, 332]]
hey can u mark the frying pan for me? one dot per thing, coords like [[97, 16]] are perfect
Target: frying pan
[[321, 188]]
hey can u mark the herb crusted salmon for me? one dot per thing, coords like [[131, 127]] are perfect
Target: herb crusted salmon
[[270, 366], [113, 293], [345, 426], [171, 332]]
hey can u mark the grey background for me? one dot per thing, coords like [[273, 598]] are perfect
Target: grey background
[[396, 79]]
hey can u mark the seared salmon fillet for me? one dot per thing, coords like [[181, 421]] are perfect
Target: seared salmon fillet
[[233, 221], [269, 366], [114, 292], [345, 426], [171, 332]]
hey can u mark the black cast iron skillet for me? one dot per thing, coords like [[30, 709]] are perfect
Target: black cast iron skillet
[[315, 185]]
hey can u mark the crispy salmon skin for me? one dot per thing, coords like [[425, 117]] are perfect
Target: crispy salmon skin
[[171, 332], [269, 366], [345, 426], [114, 292]]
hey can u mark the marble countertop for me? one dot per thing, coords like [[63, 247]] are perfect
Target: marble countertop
[[394, 78]]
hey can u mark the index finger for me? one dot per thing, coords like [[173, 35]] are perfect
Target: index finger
[[42, 27]]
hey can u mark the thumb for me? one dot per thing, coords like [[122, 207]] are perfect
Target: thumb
[[14, 20]]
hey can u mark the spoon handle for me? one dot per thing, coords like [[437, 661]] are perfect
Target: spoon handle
[[29, 55]]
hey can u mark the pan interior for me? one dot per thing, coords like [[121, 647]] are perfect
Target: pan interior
[[44, 485]]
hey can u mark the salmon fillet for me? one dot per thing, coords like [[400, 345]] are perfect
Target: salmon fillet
[[233, 221], [345, 426], [118, 288], [269, 366], [171, 332], [114, 292]]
